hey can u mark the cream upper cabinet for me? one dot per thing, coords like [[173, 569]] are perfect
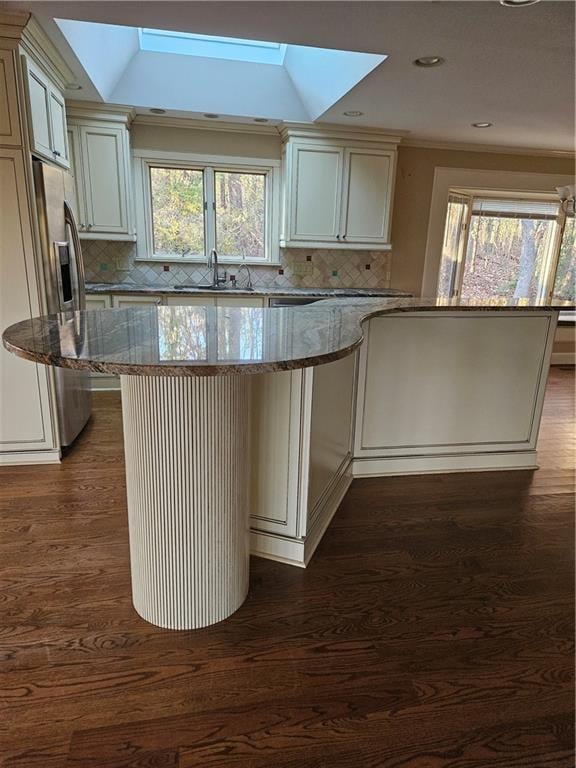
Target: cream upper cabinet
[[316, 191], [47, 120], [101, 168], [77, 201], [368, 185], [338, 191], [9, 113]]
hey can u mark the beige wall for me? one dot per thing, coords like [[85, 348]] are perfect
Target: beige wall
[[414, 193], [167, 139]]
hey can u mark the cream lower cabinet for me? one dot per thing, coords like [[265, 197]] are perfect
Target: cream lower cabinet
[[27, 429], [135, 300], [211, 301], [190, 301], [301, 443]]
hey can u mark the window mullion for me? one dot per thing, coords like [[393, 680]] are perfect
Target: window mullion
[[552, 266], [209, 209]]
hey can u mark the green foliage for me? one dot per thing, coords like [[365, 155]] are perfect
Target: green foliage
[[565, 283], [178, 212]]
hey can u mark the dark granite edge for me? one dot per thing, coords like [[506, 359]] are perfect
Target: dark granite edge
[[99, 288], [362, 311]]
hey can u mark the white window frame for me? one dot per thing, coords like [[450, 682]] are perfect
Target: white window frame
[[143, 160], [553, 251], [445, 179]]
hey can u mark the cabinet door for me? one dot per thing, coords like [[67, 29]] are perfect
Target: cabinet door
[[105, 179], [239, 301], [122, 302], [78, 201], [39, 103], [367, 195], [98, 301], [58, 128], [190, 301], [9, 115], [25, 421], [316, 192]]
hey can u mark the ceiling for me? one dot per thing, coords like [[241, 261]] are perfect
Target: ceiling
[[513, 67]]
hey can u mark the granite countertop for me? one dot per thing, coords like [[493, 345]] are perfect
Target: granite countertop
[[201, 341], [95, 288]]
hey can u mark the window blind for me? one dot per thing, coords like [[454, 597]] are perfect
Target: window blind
[[515, 209]]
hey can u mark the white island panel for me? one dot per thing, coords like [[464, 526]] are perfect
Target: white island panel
[[451, 385]]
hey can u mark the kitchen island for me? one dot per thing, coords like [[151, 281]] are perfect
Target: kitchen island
[[459, 387]]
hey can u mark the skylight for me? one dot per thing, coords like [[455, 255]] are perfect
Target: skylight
[[207, 46], [231, 77]]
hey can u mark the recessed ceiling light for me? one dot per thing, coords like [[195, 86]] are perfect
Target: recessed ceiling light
[[518, 3], [482, 125], [353, 113], [157, 111], [211, 115], [260, 119], [429, 61], [73, 87]]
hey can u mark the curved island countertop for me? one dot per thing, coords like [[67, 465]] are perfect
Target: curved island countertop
[[216, 341], [186, 417]]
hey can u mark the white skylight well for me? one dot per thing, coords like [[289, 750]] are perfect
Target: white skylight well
[[207, 46], [203, 74]]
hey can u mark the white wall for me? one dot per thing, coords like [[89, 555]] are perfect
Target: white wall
[[231, 144], [103, 50], [322, 77], [194, 84]]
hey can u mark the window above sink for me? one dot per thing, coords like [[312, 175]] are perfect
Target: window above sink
[[188, 205]]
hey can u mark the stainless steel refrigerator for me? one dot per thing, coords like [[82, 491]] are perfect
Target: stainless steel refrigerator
[[64, 280]]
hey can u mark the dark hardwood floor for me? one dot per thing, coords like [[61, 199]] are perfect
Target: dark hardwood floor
[[433, 629]]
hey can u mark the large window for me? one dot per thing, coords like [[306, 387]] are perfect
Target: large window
[[190, 209], [507, 247]]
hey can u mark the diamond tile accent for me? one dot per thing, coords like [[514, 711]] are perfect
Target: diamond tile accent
[[350, 267]]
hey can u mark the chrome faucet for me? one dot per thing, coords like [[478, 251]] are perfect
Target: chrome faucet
[[217, 278], [249, 286]]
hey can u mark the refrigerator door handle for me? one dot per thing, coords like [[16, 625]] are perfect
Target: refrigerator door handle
[[79, 262]]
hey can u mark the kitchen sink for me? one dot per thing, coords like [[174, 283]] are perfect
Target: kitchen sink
[[198, 287]]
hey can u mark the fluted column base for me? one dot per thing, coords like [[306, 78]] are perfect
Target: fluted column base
[[186, 447]]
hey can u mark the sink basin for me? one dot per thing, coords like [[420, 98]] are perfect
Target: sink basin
[[196, 286]]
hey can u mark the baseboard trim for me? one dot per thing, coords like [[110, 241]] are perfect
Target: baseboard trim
[[325, 515], [23, 458], [283, 549], [293, 551], [563, 358], [424, 465]]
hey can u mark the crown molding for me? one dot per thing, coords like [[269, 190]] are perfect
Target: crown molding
[[335, 131], [92, 110], [496, 149], [39, 45], [12, 23], [191, 123]]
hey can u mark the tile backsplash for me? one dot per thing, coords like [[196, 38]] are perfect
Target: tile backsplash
[[107, 261]]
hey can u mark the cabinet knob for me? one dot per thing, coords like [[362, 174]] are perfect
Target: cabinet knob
[[55, 152], [337, 237], [343, 237]]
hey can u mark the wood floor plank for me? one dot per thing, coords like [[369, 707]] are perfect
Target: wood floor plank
[[433, 629]]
